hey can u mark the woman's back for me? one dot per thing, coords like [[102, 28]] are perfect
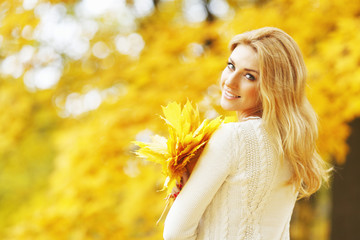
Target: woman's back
[[253, 199]]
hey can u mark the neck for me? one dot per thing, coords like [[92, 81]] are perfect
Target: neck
[[244, 115]]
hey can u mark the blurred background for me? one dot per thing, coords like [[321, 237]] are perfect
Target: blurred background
[[81, 79]]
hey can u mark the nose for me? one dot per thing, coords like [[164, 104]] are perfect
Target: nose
[[232, 80]]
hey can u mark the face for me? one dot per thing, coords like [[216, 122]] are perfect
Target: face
[[240, 82]]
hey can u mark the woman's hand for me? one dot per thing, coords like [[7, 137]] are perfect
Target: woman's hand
[[176, 190]]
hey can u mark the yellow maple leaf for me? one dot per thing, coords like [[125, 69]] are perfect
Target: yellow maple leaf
[[187, 138]]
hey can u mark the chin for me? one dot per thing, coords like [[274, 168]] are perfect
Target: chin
[[226, 106]]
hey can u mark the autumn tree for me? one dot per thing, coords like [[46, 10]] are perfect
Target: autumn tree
[[81, 79]]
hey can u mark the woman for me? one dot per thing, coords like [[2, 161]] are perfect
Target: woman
[[250, 174]]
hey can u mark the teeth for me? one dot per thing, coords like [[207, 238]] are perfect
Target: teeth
[[231, 95]]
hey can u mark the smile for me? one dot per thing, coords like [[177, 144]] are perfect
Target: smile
[[229, 95]]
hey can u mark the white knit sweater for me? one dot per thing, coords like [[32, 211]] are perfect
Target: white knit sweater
[[237, 191]]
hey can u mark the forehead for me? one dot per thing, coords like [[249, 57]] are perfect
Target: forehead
[[245, 57]]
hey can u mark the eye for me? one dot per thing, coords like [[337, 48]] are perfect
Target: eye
[[249, 76], [231, 66]]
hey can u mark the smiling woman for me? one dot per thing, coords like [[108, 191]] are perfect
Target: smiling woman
[[251, 172], [239, 83]]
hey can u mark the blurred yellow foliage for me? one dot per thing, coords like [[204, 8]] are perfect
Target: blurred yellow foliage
[[68, 174]]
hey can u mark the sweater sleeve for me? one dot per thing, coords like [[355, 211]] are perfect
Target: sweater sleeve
[[211, 170]]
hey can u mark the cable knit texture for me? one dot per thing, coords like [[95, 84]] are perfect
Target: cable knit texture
[[238, 190]]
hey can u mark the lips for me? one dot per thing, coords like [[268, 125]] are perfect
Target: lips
[[230, 95]]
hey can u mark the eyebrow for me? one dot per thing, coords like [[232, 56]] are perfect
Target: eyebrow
[[246, 69]]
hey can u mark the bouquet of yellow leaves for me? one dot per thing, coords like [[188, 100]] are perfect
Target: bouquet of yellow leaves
[[187, 138]]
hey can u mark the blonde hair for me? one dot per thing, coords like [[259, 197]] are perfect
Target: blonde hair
[[286, 111]]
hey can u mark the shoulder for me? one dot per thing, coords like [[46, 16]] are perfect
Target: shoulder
[[232, 129], [223, 140], [249, 134], [246, 127], [223, 135], [231, 134], [226, 132]]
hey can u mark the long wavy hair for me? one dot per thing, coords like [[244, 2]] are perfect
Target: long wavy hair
[[286, 112]]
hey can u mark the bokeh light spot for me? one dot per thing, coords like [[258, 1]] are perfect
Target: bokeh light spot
[[130, 45], [100, 50]]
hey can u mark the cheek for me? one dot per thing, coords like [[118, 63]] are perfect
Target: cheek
[[223, 78], [253, 92], [256, 94]]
